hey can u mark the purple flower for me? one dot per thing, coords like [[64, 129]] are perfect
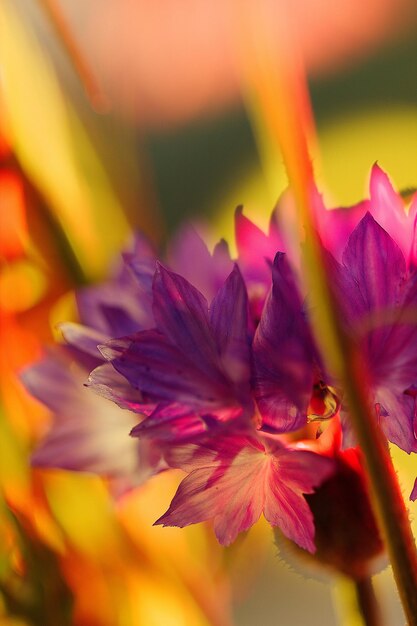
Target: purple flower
[[375, 290], [211, 359], [194, 367], [87, 432]]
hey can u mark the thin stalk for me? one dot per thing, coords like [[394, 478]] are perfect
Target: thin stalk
[[385, 490], [278, 85], [367, 602], [77, 58]]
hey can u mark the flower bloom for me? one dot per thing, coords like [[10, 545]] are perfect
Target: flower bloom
[[374, 282], [215, 363]]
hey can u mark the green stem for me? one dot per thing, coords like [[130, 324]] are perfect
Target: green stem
[[279, 91], [82, 67], [367, 602], [385, 490]]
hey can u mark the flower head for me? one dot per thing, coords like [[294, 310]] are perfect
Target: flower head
[[214, 362], [373, 278]]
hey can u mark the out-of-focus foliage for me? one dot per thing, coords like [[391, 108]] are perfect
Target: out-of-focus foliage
[[53, 147]]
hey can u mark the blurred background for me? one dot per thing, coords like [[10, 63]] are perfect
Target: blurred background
[[123, 115]]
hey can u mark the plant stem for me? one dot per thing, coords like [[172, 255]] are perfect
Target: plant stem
[[79, 62], [367, 602], [385, 490], [279, 89]]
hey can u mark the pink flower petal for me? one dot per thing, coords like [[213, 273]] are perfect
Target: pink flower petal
[[234, 479], [387, 207]]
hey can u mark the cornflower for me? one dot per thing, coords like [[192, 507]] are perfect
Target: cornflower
[[215, 361]]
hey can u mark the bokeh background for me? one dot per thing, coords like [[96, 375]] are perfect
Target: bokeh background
[[119, 115]]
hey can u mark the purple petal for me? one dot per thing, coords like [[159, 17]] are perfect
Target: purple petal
[[141, 262], [253, 244], [295, 472], [115, 347], [82, 337], [123, 292], [377, 265], [202, 367], [387, 207], [121, 321], [336, 225], [143, 250], [345, 291], [178, 423], [229, 321], [181, 314], [413, 219], [108, 383], [222, 259], [166, 373], [385, 312], [190, 257], [220, 449], [398, 418], [284, 355], [171, 422], [87, 433], [51, 382], [394, 364], [143, 272]]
